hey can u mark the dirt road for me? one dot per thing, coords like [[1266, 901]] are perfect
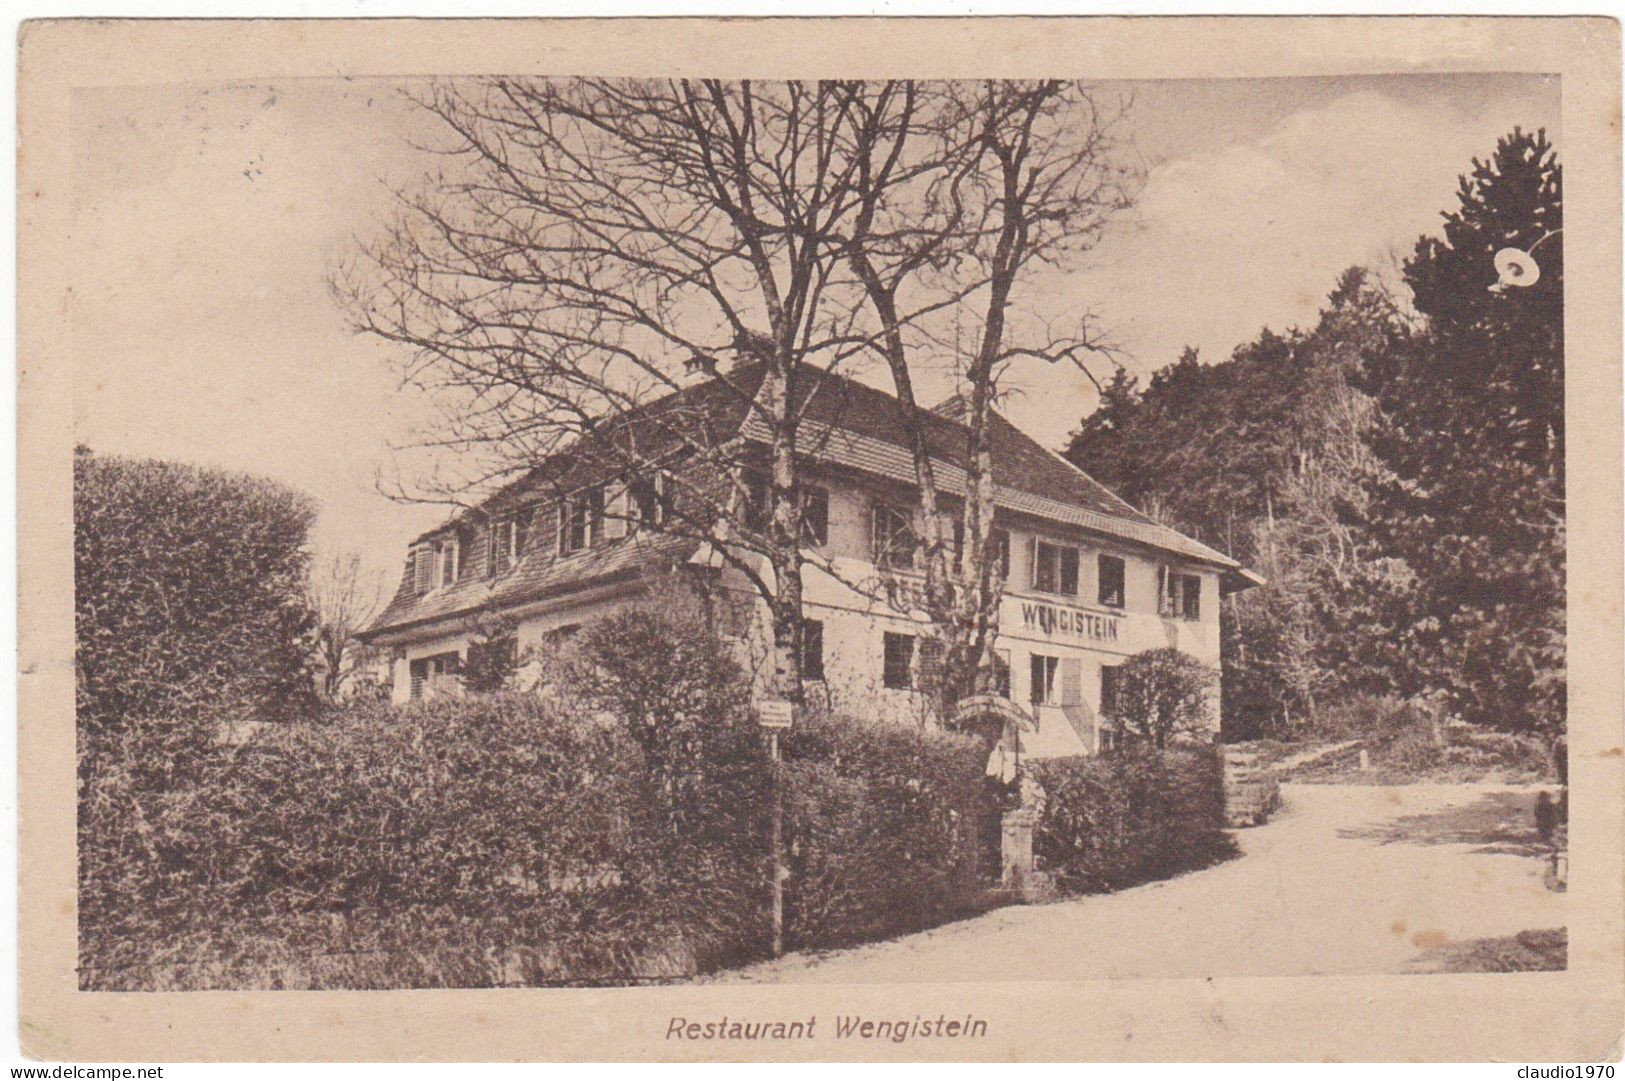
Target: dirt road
[[1345, 880]]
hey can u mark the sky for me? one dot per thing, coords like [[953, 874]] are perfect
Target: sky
[[207, 219]]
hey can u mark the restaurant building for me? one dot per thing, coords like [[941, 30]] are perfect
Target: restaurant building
[[1089, 580]]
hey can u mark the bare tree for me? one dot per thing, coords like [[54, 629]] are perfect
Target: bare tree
[[1013, 176], [588, 239], [344, 598]]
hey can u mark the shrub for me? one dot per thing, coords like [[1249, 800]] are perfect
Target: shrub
[[460, 842], [188, 591], [1116, 820], [1162, 694], [887, 829]]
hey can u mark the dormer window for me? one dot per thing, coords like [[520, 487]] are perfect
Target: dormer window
[[580, 521]]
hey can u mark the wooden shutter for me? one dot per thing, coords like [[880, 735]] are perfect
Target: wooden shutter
[[1032, 562], [422, 569], [1071, 680], [1068, 572], [521, 530], [616, 509]]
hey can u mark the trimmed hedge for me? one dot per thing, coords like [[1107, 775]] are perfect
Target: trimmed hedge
[[1130, 817], [504, 841], [470, 842], [189, 591], [887, 830]]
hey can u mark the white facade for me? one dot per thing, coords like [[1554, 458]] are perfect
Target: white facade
[[1059, 647]]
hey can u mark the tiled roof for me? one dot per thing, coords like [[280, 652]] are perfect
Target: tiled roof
[[537, 575], [844, 422]]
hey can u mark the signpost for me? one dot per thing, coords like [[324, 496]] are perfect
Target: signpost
[[776, 715]]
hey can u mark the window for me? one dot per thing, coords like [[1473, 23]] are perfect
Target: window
[[1182, 595], [448, 553], [930, 674], [815, 516], [1055, 569], [1108, 690], [521, 531], [1043, 679], [894, 541], [899, 659], [578, 525], [435, 675], [812, 649], [649, 499], [1111, 581]]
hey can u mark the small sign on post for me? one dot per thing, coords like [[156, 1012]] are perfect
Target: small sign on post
[[775, 713]]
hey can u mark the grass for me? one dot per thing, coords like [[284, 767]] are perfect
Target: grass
[[1526, 951]]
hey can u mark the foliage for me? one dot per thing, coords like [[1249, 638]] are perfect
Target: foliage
[[888, 828], [188, 592], [496, 820], [1116, 820], [1396, 474], [1473, 445], [493, 659], [1263, 456], [506, 839], [1163, 694]]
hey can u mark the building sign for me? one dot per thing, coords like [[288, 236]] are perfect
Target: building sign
[[775, 713], [1059, 620]]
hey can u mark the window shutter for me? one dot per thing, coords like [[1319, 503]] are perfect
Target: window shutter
[[1162, 589], [1032, 562], [616, 506], [1071, 680], [1069, 572], [521, 530], [422, 570]]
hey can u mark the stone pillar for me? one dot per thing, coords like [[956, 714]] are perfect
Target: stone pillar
[[1016, 847]]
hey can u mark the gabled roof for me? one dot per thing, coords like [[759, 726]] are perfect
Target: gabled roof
[[844, 423]]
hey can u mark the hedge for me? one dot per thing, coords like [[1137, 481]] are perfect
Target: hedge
[[502, 840], [1133, 816], [887, 827], [188, 591]]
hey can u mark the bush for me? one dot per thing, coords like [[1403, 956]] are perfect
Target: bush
[[887, 830], [492, 838], [188, 591], [1121, 819], [1163, 694], [510, 839]]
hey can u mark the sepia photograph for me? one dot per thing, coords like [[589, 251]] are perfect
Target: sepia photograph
[[659, 530]]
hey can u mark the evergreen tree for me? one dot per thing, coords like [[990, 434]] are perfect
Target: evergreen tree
[[1474, 443]]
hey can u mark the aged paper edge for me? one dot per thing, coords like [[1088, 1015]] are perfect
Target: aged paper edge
[[1574, 1015]]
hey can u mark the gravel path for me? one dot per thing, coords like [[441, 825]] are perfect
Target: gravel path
[[1345, 879]]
